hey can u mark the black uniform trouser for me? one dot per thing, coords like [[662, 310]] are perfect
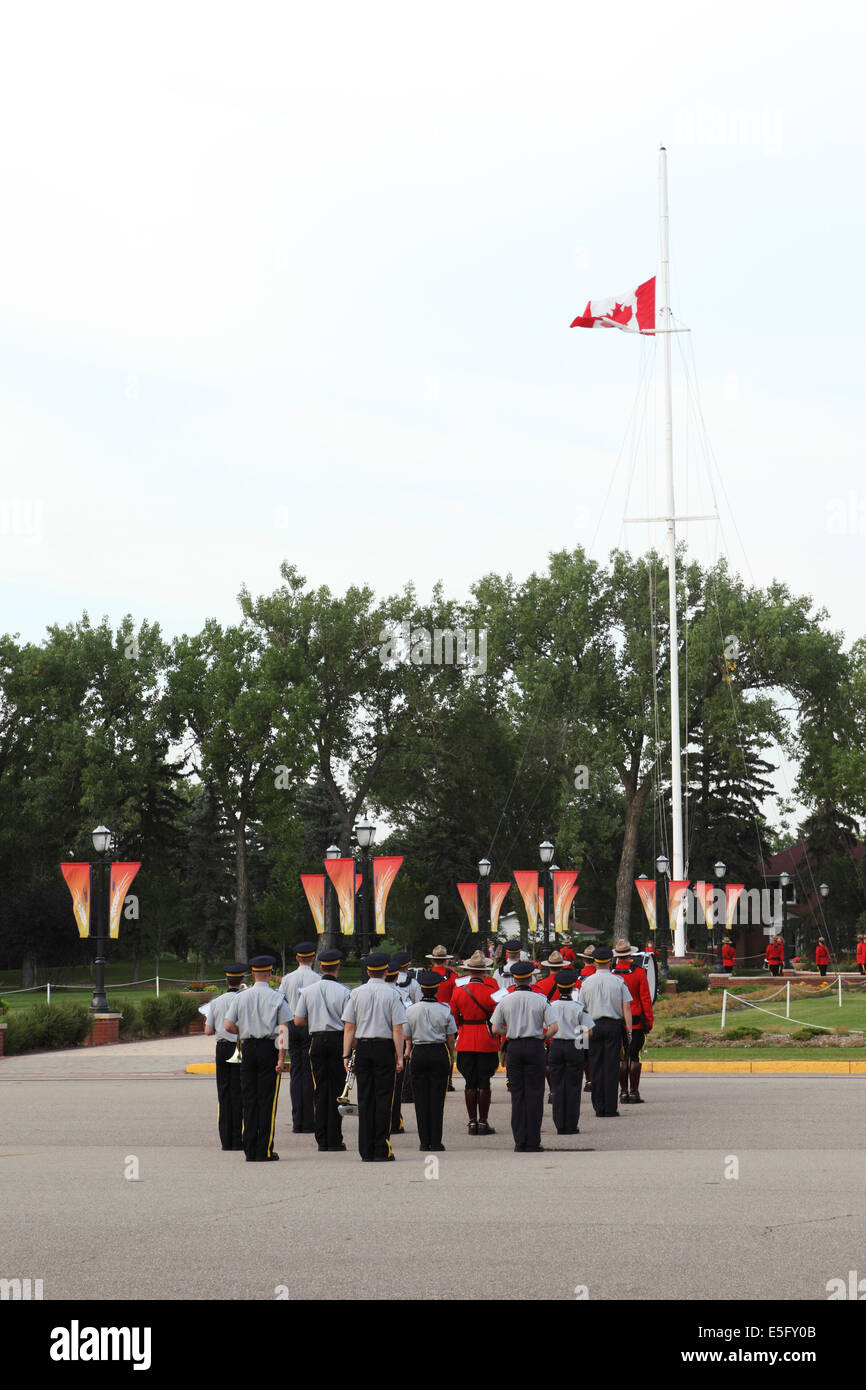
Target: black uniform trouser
[[230, 1112], [375, 1070], [605, 1050], [329, 1078], [776, 967], [300, 1078], [260, 1088], [525, 1062], [566, 1076], [397, 1101], [823, 970], [431, 1067]]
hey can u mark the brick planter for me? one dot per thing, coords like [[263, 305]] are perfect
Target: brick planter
[[106, 1029], [197, 1025]]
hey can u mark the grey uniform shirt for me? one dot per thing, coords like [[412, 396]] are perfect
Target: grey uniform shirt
[[258, 1012], [409, 990], [604, 994], [292, 984], [429, 1022], [572, 1019], [322, 1004], [502, 976], [375, 1009], [522, 1015], [216, 1012]]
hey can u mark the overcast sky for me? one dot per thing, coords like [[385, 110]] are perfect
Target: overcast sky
[[294, 282]]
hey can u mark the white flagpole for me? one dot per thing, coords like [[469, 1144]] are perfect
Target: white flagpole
[[676, 782]]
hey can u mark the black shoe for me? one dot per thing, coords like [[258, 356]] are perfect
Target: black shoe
[[368, 1160], [271, 1158], [296, 1129], [386, 1158], [539, 1150], [323, 1148], [635, 1100], [520, 1148], [310, 1130], [336, 1149], [237, 1148], [438, 1148], [251, 1160]]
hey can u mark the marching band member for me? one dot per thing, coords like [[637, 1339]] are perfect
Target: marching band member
[[230, 1114], [320, 1010], [373, 1016], [430, 1029], [301, 1078], [260, 1017], [409, 990], [637, 984], [565, 1054], [527, 1020], [589, 969], [502, 976], [477, 1047], [392, 971]]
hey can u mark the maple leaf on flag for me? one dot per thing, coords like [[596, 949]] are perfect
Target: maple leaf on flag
[[634, 312]]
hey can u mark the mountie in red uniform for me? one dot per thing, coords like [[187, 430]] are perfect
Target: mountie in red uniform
[[642, 1021], [822, 958], [861, 956], [477, 1048], [729, 956], [775, 954]]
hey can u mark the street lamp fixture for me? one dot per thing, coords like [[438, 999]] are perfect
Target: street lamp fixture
[[662, 865], [719, 868], [102, 838], [784, 880], [484, 867], [823, 889], [662, 868], [546, 853], [365, 832]]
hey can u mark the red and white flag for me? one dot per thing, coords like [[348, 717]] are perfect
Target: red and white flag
[[634, 312]]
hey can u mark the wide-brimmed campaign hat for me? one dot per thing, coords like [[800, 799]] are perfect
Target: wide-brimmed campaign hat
[[439, 953], [555, 962], [477, 962]]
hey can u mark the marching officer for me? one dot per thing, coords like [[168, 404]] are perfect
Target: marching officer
[[477, 1047], [230, 1114], [392, 972], [373, 1016], [409, 990], [300, 1078], [320, 1010], [440, 958], [502, 976], [565, 1054], [260, 1017], [861, 954], [606, 997], [641, 1021], [589, 969], [822, 956], [527, 1020], [729, 956], [430, 1028], [547, 984], [775, 954]]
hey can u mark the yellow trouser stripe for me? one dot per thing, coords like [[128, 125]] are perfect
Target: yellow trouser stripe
[[273, 1116]]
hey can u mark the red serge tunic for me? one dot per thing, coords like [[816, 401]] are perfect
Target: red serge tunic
[[446, 989], [471, 1017], [638, 987], [568, 953], [729, 955], [822, 955], [861, 952], [775, 952], [547, 987]]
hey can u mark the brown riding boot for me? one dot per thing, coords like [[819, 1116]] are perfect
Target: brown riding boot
[[634, 1071], [623, 1080], [483, 1108], [472, 1110]]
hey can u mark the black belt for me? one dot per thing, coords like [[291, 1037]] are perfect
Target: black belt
[[440, 1043], [327, 1033]]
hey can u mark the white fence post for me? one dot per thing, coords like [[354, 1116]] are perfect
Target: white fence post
[[724, 1007], [788, 1001], [48, 994], [157, 986]]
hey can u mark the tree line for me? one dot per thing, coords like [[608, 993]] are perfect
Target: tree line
[[228, 760]]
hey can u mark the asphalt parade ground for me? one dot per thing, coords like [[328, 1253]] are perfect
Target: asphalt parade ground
[[114, 1186]]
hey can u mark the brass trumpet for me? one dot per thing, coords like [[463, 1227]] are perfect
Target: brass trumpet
[[344, 1099]]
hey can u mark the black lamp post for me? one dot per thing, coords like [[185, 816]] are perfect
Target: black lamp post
[[784, 880], [824, 890], [483, 902], [102, 843], [332, 852], [662, 869], [365, 831], [719, 869], [546, 852]]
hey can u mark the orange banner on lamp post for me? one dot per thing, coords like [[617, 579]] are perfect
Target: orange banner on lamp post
[[78, 882], [732, 897], [706, 896], [314, 888], [469, 896], [498, 892], [677, 889], [527, 883], [385, 870], [341, 872], [646, 891], [121, 878], [564, 890]]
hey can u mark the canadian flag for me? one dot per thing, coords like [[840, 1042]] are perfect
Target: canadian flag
[[634, 312]]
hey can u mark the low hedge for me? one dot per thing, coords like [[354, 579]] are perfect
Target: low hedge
[[46, 1026], [690, 978]]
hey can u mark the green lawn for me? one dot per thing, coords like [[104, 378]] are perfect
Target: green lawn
[[811, 1012], [754, 1054]]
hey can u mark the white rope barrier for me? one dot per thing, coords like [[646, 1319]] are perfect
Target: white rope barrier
[[822, 1026]]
